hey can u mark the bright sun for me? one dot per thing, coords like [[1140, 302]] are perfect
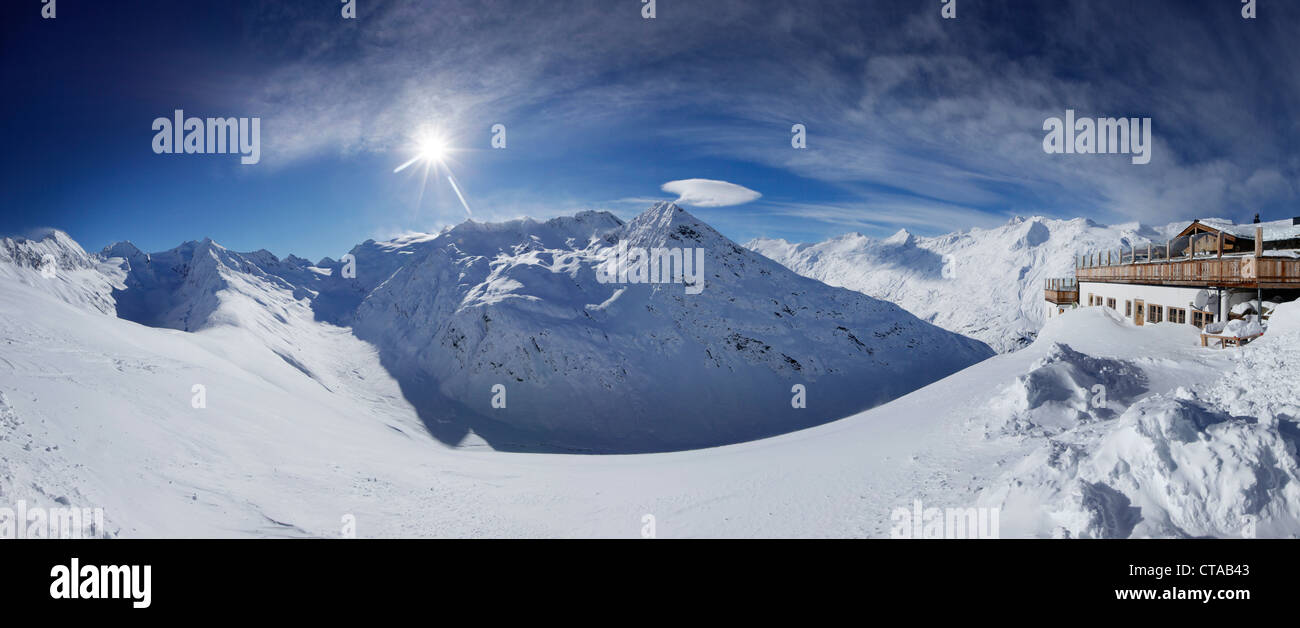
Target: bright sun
[[432, 149]]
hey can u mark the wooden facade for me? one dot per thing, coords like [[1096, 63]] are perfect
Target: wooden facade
[[1204, 239], [1216, 272], [1200, 256], [1061, 291], [1204, 257]]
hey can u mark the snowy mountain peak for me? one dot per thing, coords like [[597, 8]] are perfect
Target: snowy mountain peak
[[600, 218], [1035, 233], [124, 249], [561, 232], [58, 237], [43, 247], [55, 237], [631, 365], [666, 224], [55, 262], [901, 238], [664, 214]]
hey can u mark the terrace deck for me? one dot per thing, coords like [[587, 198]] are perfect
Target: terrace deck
[[1226, 272]]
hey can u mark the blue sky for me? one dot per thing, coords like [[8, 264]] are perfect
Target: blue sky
[[912, 121]]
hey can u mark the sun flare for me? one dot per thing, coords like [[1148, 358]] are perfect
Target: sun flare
[[432, 149]]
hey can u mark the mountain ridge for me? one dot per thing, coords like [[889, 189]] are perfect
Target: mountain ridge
[[587, 365], [982, 283]]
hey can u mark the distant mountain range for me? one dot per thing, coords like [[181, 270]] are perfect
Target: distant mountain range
[[516, 314], [982, 283]]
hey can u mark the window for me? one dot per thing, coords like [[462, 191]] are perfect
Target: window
[[1155, 313], [1128, 309], [1201, 319], [1177, 315], [1110, 303], [1091, 301]]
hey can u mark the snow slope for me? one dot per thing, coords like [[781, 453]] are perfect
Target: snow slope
[[1209, 454], [983, 283], [97, 411], [304, 428]]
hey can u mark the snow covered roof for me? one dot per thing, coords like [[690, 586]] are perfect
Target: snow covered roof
[[1273, 230]]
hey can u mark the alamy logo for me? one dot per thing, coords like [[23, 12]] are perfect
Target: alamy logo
[[212, 136], [656, 265], [108, 582], [799, 137], [50, 523], [1088, 136], [944, 523]]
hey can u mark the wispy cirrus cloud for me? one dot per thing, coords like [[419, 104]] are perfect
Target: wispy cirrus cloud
[[891, 213], [895, 99]]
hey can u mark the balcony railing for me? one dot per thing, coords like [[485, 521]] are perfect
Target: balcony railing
[[1198, 259], [1061, 291], [1245, 271]]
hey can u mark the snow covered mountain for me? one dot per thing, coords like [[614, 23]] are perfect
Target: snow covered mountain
[[509, 333], [982, 283], [196, 284], [97, 411], [636, 367], [57, 264]]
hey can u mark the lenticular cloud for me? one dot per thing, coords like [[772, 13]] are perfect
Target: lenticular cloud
[[710, 193]]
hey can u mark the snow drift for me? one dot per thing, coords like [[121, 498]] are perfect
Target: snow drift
[[1214, 458]]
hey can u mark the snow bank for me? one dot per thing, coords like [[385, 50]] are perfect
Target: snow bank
[[1061, 391], [1242, 328], [1192, 469], [1285, 319], [1215, 458]]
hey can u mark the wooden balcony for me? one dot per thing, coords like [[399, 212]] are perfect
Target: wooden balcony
[[1061, 291], [1225, 272]]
